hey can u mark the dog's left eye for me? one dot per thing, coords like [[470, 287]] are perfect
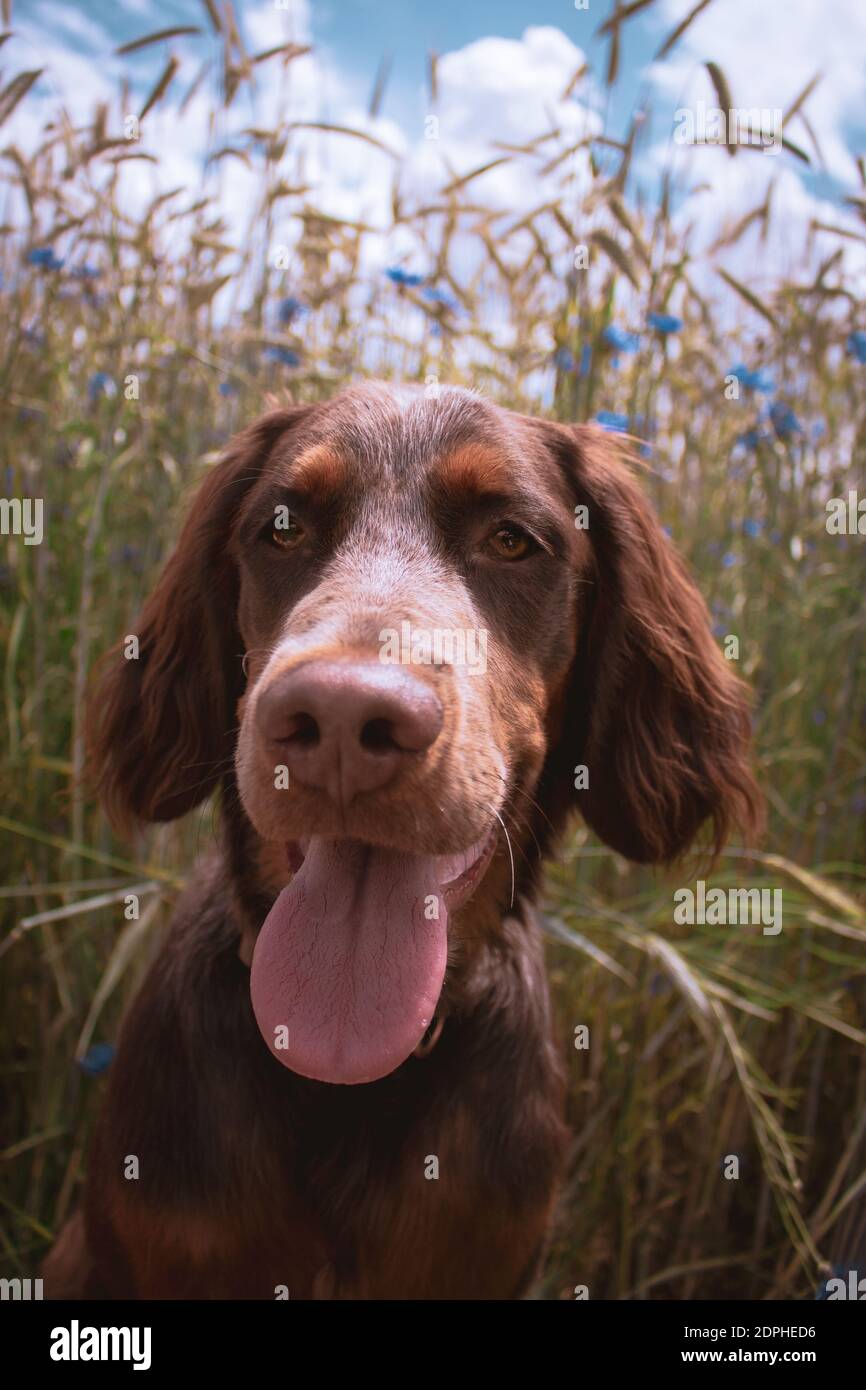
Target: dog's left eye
[[285, 531], [511, 542]]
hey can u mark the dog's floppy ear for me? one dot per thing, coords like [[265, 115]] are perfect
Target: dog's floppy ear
[[159, 722], [654, 712]]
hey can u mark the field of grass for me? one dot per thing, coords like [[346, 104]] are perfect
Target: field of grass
[[133, 343]]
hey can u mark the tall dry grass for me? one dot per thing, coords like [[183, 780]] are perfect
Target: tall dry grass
[[706, 1041]]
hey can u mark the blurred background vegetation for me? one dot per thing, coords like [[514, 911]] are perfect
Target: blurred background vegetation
[[705, 1041]]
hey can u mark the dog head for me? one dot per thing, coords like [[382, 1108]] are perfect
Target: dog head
[[406, 620]]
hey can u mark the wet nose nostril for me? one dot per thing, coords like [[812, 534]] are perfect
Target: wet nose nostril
[[303, 732], [377, 736], [348, 726]]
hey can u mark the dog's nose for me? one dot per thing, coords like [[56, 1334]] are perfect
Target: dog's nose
[[348, 726]]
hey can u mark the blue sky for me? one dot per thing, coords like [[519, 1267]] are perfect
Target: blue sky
[[503, 67], [357, 34], [360, 33]]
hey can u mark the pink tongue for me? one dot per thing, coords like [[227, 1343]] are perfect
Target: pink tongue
[[349, 963]]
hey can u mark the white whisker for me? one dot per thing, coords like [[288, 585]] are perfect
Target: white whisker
[[510, 855]]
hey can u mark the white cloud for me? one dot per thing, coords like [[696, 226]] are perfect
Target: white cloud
[[768, 52], [74, 23], [267, 25], [505, 91], [491, 90], [726, 189]]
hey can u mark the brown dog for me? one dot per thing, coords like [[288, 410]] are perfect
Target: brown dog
[[389, 638]]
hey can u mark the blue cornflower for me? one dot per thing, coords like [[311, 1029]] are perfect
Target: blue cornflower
[[784, 421], [97, 1059], [762, 382], [44, 258], [619, 339], [289, 308], [437, 296], [564, 359], [856, 345], [753, 380], [610, 420], [403, 277], [227, 388], [585, 360], [729, 559], [752, 527], [752, 438], [284, 355], [664, 323], [819, 717], [100, 384]]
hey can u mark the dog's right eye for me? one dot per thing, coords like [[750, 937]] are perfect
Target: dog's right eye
[[511, 542], [285, 531]]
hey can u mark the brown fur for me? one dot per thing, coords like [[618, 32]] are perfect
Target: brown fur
[[600, 654]]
